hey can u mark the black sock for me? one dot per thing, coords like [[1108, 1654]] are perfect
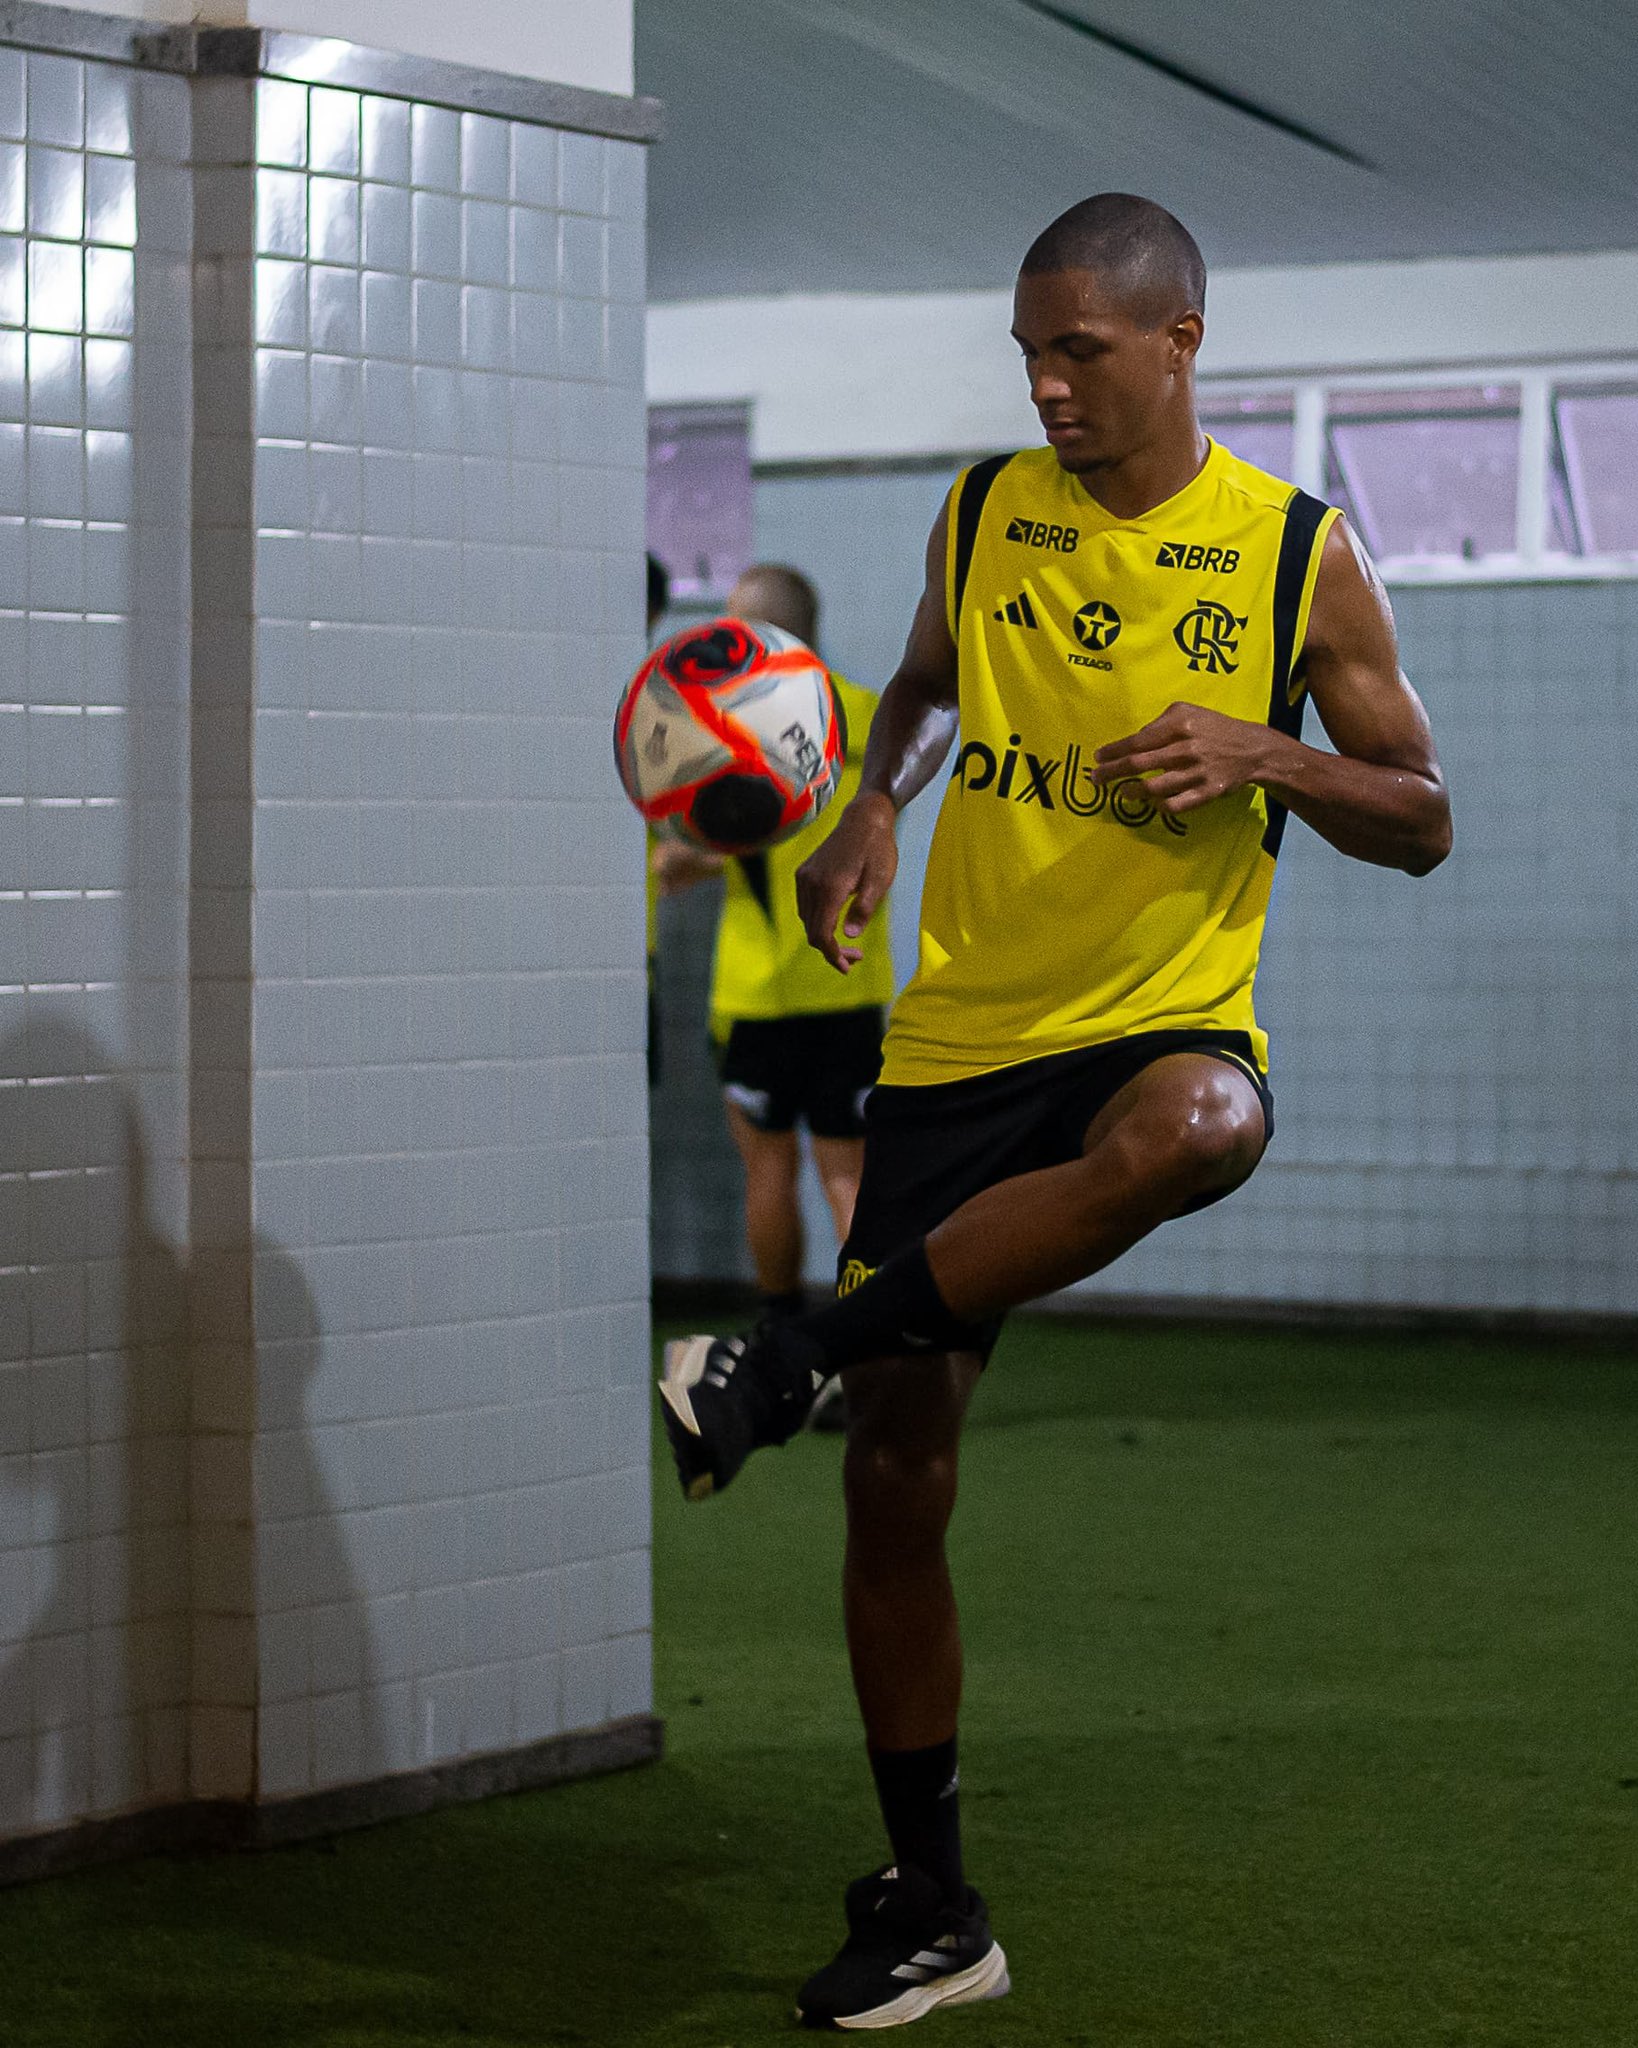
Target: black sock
[[922, 1809], [781, 1306], [898, 1309]]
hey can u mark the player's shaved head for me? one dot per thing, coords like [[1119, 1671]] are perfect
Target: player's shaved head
[[1144, 254], [782, 596]]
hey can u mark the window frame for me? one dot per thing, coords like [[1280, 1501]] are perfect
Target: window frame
[[1530, 560]]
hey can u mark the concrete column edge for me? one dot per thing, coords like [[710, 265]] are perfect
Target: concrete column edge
[[199, 52], [220, 1824]]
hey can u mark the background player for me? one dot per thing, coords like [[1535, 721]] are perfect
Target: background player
[[659, 596], [1127, 624], [797, 1045]]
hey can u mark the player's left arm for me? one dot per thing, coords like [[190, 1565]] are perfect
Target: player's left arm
[[1380, 797]]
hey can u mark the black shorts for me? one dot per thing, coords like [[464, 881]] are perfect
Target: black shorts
[[929, 1149], [816, 1070]]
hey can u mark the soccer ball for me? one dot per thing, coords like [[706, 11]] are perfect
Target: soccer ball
[[728, 736]]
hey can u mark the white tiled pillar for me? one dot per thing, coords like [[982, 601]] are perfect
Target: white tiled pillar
[[449, 1161], [323, 1251]]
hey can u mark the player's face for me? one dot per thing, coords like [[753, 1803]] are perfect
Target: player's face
[[1103, 384]]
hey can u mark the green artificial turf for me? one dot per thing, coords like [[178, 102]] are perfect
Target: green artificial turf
[[1301, 1714]]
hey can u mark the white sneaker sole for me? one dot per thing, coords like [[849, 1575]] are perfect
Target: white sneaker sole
[[684, 1369], [829, 1406], [987, 1978]]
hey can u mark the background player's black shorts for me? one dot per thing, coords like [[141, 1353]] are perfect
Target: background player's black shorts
[[813, 1069], [929, 1149]]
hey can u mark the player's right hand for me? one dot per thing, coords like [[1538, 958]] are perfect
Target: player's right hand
[[852, 870], [677, 867]]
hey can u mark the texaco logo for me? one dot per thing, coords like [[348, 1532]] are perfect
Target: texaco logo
[[1097, 625]]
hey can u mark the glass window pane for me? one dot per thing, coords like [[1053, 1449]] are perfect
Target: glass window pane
[[1428, 475], [699, 496], [1256, 426], [1598, 441], [1562, 535]]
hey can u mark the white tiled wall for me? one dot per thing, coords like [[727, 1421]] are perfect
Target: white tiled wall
[[323, 1179], [450, 1118], [1454, 1058], [94, 1395]]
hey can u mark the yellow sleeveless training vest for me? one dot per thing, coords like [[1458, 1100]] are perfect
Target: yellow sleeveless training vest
[[1057, 914], [764, 966]]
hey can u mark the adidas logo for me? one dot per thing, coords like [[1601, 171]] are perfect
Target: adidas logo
[[1017, 611]]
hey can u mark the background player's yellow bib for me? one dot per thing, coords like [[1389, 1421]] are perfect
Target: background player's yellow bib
[[764, 966], [1057, 914]]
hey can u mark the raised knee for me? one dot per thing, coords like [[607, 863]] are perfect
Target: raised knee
[[1218, 1146], [1211, 1140]]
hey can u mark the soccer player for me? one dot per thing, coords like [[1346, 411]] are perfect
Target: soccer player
[[1126, 623], [798, 1044], [659, 597]]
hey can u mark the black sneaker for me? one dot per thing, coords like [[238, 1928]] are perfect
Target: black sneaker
[[906, 1952], [724, 1397]]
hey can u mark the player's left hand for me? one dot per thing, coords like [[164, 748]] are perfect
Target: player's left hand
[[1187, 757]]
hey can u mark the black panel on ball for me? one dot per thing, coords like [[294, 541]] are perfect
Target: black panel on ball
[[710, 654], [736, 811]]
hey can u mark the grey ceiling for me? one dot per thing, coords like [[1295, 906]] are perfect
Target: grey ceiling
[[871, 145]]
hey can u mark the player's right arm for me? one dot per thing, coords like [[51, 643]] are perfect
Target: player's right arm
[[910, 736]]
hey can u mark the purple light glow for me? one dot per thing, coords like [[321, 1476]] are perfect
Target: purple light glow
[[699, 496]]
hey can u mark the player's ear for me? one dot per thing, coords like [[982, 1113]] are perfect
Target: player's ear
[[1186, 333]]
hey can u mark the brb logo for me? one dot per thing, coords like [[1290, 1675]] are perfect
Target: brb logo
[[1033, 533], [1209, 636], [1021, 777], [1180, 554]]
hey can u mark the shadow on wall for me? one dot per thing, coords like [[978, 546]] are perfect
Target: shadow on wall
[[319, 1713], [94, 1443], [103, 1574], [120, 1539]]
